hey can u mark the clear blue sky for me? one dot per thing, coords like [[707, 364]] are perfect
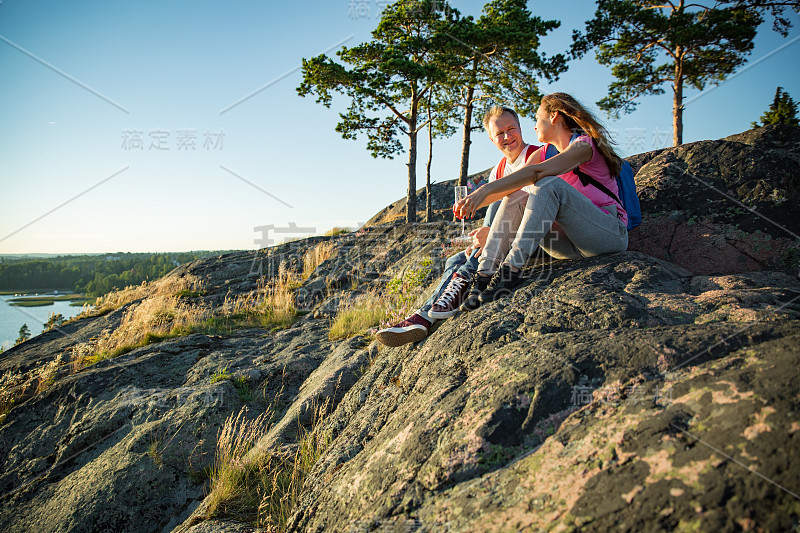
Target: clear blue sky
[[85, 81]]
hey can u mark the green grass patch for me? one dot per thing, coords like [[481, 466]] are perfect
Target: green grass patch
[[242, 387], [240, 383], [187, 294], [30, 303], [221, 375]]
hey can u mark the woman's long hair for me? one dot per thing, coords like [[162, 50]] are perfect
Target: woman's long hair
[[578, 118]]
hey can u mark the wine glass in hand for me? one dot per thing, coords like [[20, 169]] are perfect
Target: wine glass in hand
[[461, 193]]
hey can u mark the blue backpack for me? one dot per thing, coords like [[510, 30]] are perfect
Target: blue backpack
[[625, 185], [627, 192]]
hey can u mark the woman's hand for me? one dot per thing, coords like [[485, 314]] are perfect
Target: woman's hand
[[466, 208], [478, 239]]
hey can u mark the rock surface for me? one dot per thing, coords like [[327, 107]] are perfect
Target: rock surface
[[723, 206], [632, 391]]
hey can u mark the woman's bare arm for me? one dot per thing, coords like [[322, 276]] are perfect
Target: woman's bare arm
[[575, 154]]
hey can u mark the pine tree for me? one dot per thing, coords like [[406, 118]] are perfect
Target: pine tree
[[783, 110], [651, 43], [782, 22], [24, 334], [387, 80], [496, 61]]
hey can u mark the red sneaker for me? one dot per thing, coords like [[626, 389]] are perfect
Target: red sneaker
[[448, 303], [412, 329]]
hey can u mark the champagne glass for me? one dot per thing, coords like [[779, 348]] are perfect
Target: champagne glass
[[461, 193]]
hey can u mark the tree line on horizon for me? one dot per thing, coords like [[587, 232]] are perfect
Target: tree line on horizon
[[93, 275], [429, 67]]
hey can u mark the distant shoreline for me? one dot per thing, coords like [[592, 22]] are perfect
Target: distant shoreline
[[45, 299], [7, 292]]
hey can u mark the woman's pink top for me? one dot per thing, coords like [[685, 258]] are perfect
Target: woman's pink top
[[597, 168]]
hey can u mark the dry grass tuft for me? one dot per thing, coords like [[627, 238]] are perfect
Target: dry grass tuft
[[166, 286], [315, 257], [165, 314], [231, 476], [12, 387], [337, 230], [157, 311], [16, 387], [261, 488], [271, 306], [358, 316], [156, 318], [402, 295]]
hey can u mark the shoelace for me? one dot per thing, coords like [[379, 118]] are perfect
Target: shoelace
[[452, 290], [503, 275]]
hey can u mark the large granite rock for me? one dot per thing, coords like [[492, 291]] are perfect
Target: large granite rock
[[462, 431], [619, 392], [723, 206]]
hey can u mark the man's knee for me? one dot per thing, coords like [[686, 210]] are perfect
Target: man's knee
[[458, 259]]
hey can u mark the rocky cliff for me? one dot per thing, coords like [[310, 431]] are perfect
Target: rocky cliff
[[648, 390]]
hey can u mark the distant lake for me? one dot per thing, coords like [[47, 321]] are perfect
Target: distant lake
[[12, 318]]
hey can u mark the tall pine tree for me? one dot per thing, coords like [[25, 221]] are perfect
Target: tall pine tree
[[387, 80], [496, 60], [651, 43], [781, 21]]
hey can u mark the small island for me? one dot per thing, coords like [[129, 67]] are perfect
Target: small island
[[38, 300]]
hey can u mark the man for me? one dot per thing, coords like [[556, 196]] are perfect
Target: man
[[502, 125]]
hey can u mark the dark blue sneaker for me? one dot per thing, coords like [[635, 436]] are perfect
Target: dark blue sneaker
[[502, 284], [479, 284]]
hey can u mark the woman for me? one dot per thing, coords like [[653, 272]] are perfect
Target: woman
[[568, 217]]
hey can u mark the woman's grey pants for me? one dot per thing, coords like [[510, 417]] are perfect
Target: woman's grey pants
[[555, 216]]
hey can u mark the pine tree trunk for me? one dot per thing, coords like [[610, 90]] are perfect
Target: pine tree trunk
[[411, 198], [465, 139], [677, 101], [428, 199]]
